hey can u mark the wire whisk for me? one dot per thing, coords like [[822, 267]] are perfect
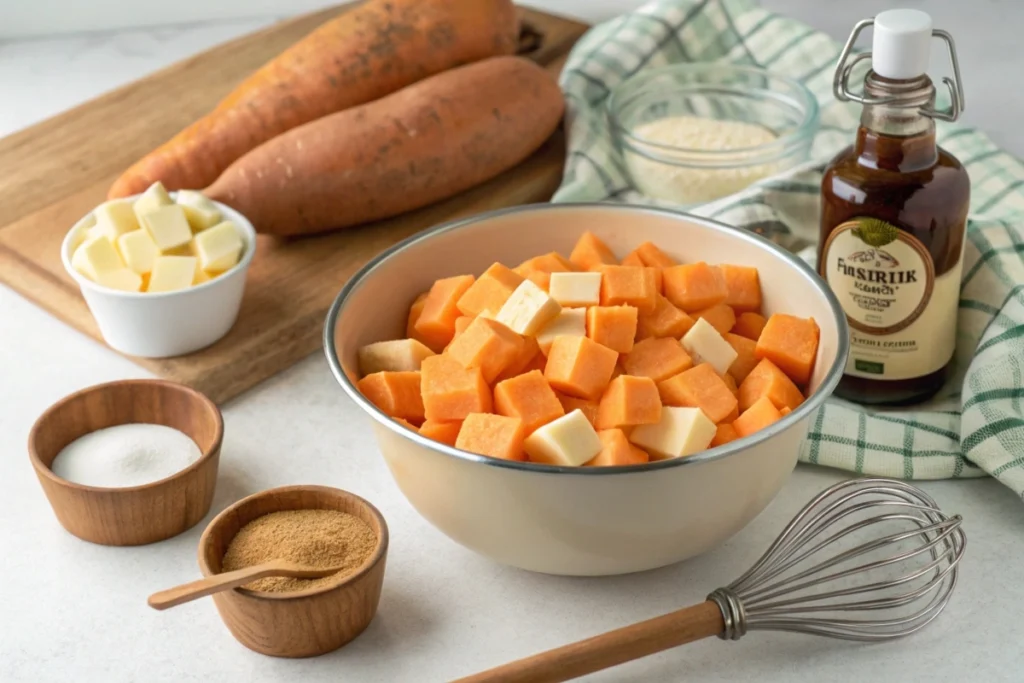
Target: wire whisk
[[866, 560]]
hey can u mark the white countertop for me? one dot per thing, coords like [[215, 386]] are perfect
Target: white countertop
[[75, 611]]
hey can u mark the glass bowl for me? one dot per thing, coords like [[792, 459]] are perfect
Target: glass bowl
[[699, 166]]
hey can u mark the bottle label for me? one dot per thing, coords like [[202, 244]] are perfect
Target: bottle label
[[902, 317]]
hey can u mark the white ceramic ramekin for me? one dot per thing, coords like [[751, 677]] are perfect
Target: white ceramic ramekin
[[587, 520], [164, 324]]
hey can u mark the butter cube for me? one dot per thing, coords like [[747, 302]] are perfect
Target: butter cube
[[219, 247], [528, 309], [187, 249], [79, 261], [576, 289], [568, 441], [152, 199], [396, 355], [168, 227], [114, 219], [200, 211], [138, 250], [95, 255], [94, 231], [122, 278], [679, 432], [706, 345], [570, 322], [201, 275], [171, 273], [88, 223]]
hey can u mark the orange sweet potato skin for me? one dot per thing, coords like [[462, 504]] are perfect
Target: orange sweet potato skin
[[422, 144], [362, 55]]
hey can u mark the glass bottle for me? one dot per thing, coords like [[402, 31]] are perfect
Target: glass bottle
[[894, 214]]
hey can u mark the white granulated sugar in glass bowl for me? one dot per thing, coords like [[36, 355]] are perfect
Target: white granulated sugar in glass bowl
[[695, 184], [693, 133]]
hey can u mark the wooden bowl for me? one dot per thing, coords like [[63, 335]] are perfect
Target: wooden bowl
[[133, 515], [304, 623]]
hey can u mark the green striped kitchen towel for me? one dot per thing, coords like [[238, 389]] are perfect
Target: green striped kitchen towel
[[975, 426]]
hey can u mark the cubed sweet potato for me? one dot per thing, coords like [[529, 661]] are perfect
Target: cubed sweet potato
[[579, 366], [587, 407], [633, 259], [699, 387], [551, 262], [397, 394], [749, 325], [694, 286], [791, 343], [444, 432], [450, 391], [657, 358], [590, 252], [744, 288], [495, 435], [415, 310], [490, 291], [436, 323], [529, 358], [528, 397], [541, 278], [745, 358], [664, 321], [654, 257], [461, 323], [616, 450], [730, 382], [766, 379], [724, 434], [613, 326], [758, 416], [629, 401], [719, 316], [629, 286], [488, 345]]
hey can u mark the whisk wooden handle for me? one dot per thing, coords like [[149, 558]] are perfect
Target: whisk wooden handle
[[610, 649]]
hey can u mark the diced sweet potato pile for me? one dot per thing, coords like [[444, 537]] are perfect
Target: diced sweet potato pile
[[582, 361]]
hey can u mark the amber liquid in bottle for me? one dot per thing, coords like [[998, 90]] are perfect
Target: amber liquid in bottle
[[895, 172]]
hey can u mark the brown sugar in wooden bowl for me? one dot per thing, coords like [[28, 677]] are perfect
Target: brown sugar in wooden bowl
[[303, 623], [133, 515]]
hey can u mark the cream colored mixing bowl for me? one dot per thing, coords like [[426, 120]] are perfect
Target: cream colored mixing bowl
[[582, 521]]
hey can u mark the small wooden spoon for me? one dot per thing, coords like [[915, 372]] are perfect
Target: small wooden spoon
[[221, 582]]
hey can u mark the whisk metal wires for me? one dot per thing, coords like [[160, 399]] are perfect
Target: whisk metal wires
[[867, 560]]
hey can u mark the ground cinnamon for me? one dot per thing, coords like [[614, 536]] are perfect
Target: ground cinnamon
[[317, 538]]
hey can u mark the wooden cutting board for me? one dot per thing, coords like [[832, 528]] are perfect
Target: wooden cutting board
[[58, 170]]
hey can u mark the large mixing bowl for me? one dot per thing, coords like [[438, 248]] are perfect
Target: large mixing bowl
[[592, 520]]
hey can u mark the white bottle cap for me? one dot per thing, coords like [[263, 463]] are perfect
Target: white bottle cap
[[902, 43]]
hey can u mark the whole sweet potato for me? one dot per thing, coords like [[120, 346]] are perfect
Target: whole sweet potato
[[417, 146], [375, 49]]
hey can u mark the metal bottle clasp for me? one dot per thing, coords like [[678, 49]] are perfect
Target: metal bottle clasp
[[840, 82]]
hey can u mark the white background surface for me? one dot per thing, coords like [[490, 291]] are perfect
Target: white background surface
[[73, 611]]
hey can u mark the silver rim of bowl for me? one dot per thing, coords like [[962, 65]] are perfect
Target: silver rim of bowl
[[801, 97], [815, 400]]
